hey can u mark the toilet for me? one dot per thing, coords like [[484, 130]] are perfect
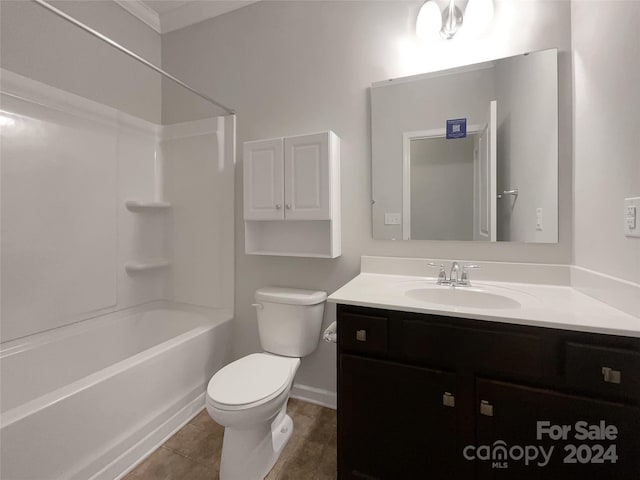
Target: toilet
[[249, 396]]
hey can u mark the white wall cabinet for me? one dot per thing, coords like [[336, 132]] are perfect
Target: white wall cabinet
[[264, 180], [292, 196]]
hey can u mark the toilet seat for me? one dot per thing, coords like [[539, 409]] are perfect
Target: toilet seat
[[251, 381]]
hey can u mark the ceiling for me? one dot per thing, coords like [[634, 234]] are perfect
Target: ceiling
[[162, 6], [167, 15]]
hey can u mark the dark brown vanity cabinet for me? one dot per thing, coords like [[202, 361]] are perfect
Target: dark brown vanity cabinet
[[397, 425], [423, 396]]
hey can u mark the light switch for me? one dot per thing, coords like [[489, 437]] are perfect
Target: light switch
[[392, 218], [631, 210], [539, 219]]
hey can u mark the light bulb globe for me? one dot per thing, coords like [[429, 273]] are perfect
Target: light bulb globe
[[429, 21]]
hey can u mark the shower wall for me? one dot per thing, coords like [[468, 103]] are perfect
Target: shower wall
[[199, 159], [80, 135], [67, 167]]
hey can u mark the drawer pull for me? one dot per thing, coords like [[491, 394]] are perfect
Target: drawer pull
[[611, 376], [448, 400], [486, 408], [361, 335]]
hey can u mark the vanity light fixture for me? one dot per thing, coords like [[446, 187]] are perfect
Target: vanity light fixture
[[448, 16]]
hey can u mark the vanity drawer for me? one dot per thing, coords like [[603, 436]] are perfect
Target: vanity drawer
[[495, 351], [363, 333], [606, 370], [428, 343]]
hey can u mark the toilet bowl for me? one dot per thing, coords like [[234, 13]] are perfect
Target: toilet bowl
[[249, 396]]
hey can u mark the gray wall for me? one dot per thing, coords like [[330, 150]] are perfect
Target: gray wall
[[297, 67], [37, 44], [607, 144]]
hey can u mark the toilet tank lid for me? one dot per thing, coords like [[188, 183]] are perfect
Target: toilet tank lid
[[290, 296]]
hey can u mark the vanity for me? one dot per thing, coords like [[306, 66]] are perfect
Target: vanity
[[493, 380]]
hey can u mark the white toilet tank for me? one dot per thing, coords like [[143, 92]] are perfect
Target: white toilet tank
[[289, 320]]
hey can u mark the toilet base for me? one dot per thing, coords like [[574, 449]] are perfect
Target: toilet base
[[250, 454]]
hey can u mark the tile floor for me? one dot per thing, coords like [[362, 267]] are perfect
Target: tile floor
[[193, 453]]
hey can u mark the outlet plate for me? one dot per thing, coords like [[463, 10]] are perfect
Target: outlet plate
[[392, 218], [631, 211]]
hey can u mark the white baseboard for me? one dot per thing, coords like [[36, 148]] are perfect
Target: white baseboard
[[618, 293], [318, 396], [126, 462]]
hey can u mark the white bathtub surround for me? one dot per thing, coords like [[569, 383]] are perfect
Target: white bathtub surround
[[540, 303], [68, 166], [200, 187], [82, 196], [59, 171], [104, 393]]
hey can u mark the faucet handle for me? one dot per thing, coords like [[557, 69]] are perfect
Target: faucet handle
[[465, 273], [442, 274]]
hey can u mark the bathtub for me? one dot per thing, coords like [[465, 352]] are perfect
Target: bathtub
[[88, 401]]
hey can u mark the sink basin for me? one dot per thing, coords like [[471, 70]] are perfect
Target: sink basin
[[463, 297]]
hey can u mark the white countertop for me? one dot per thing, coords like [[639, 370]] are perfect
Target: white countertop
[[549, 306]]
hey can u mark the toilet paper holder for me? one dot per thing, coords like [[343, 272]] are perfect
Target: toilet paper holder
[[330, 334]]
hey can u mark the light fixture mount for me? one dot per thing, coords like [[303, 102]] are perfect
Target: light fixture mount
[[446, 18], [452, 19]]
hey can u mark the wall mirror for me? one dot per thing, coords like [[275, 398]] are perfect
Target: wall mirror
[[469, 153]]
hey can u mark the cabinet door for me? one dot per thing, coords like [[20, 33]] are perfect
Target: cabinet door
[[307, 177], [510, 414], [263, 180], [392, 423]]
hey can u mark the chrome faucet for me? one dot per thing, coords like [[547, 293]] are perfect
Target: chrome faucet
[[465, 280], [442, 274], [455, 279], [455, 268]]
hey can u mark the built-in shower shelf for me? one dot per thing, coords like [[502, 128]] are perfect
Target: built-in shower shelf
[[145, 265], [138, 206]]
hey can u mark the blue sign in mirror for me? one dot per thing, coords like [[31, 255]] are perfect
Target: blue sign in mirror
[[457, 128]]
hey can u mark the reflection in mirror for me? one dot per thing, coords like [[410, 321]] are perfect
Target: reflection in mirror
[[468, 153]]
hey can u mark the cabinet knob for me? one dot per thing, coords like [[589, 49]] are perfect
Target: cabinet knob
[[486, 408], [611, 376], [288, 206], [448, 400], [278, 206], [361, 335]]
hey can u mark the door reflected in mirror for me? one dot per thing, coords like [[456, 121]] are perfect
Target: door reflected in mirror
[[494, 179]]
